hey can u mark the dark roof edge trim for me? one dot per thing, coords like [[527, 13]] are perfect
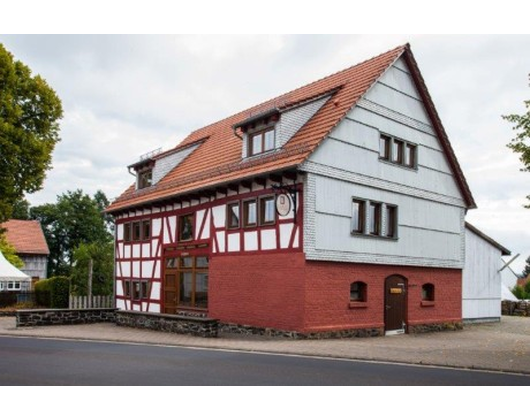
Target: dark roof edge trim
[[493, 242]]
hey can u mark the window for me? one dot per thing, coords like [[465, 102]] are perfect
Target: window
[[357, 216], [410, 156], [358, 292], [374, 218], [146, 230], [427, 292], [14, 285], [127, 232], [267, 211], [136, 231], [193, 282], [261, 141], [250, 217], [397, 151], [391, 221], [186, 227], [384, 147], [145, 178], [127, 288], [232, 215]]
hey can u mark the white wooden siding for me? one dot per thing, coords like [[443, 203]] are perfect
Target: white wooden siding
[[481, 281], [347, 164]]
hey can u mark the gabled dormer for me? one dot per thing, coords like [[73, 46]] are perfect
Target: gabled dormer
[[270, 129], [155, 165]]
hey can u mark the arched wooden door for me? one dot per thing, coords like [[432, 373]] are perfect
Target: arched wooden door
[[395, 304]]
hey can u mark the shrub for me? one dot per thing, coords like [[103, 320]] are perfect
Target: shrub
[[519, 292], [60, 291], [43, 293]]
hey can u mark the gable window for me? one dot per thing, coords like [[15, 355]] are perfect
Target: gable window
[[186, 227], [397, 151], [357, 225], [427, 292], [391, 221], [145, 178], [136, 231], [410, 156], [250, 213], [267, 211], [374, 216], [384, 147], [261, 141], [232, 215], [127, 232], [358, 291]]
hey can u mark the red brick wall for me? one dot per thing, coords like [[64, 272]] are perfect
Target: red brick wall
[[328, 295], [283, 291], [264, 290]]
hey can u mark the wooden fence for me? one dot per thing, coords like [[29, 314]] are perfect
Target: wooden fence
[[91, 302]]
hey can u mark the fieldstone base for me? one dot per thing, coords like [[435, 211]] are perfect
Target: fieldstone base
[[443, 326], [271, 332], [198, 326], [39, 317]]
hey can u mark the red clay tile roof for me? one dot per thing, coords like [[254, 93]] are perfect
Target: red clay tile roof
[[26, 236], [218, 159]]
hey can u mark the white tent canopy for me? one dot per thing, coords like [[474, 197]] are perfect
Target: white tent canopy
[[506, 294], [11, 278]]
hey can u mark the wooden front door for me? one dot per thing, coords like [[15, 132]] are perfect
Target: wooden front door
[[170, 285], [395, 303]]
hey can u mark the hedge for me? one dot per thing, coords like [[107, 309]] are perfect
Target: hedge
[[53, 292]]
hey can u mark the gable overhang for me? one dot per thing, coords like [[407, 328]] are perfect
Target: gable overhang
[[493, 242]]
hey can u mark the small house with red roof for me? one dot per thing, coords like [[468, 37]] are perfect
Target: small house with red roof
[[336, 209], [28, 239]]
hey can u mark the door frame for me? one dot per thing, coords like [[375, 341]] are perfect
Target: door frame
[[404, 302]]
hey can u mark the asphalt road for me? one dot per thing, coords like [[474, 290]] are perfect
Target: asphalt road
[[28, 361]]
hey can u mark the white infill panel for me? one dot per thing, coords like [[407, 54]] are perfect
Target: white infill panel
[[155, 227], [147, 269], [126, 251], [285, 234], [125, 269], [136, 251], [172, 227], [206, 230], [251, 241], [156, 274], [155, 290], [119, 232], [219, 216], [268, 239], [136, 269], [221, 241], [146, 251], [199, 216], [296, 240], [156, 251], [119, 288], [120, 304], [155, 308], [233, 242], [120, 251]]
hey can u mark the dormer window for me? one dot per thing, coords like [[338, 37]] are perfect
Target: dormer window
[[145, 178], [261, 141]]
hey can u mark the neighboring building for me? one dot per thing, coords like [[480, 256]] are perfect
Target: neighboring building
[[482, 279], [337, 207], [30, 244], [11, 278]]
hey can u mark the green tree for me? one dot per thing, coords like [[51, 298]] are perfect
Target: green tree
[[30, 111], [526, 269], [102, 256], [21, 209], [9, 252], [75, 219]]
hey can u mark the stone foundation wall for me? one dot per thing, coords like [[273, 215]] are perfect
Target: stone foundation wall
[[39, 317], [443, 326], [198, 326], [271, 332], [520, 308]]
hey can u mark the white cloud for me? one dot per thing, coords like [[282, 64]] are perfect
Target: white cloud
[[126, 95]]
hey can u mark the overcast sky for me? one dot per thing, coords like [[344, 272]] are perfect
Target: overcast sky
[[126, 95]]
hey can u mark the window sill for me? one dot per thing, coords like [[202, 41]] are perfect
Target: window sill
[[371, 236], [353, 305], [399, 165], [427, 303]]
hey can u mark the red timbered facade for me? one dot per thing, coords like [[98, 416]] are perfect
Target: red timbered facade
[[337, 207]]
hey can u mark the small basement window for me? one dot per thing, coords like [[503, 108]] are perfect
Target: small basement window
[[358, 291], [427, 292]]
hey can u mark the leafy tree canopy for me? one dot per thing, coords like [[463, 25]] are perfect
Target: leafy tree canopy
[[526, 270], [75, 219], [9, 252], [102, 256], [29, 129], [21, 209]]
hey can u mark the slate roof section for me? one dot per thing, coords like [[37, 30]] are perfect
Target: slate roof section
[[26, 236]]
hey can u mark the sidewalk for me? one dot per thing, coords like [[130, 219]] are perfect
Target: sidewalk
[[503, 346]]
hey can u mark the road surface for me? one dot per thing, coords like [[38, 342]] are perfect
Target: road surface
[[28, 361]]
